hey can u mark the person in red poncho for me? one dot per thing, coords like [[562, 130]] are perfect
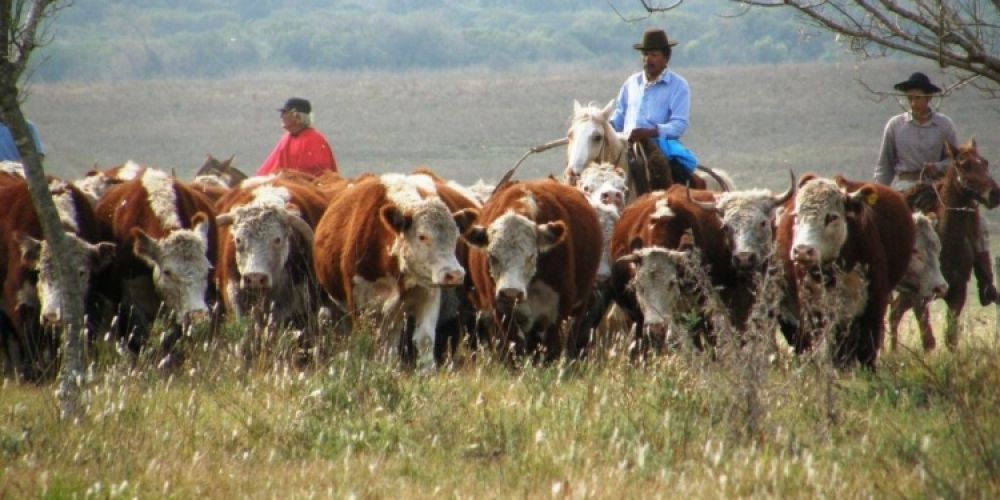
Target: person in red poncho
[[302, 147]]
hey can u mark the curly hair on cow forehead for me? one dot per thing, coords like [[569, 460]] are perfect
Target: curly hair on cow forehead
[[815, 195]]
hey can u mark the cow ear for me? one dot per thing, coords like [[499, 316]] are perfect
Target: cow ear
[[31, 250], [465, 218], [550, 234], [293, 209], [476, 236], [394, 219], [857, 200], [103, 254], [144, 247]]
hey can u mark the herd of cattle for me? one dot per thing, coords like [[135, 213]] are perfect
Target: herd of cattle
[[527, 267]]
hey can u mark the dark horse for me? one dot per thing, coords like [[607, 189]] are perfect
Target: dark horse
[[955, 199], [224, 169]]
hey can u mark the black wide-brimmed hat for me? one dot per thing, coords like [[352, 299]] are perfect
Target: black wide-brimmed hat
[[654, 39], [918, 81], [298, 104]]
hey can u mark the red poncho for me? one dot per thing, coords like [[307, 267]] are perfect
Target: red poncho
[[306, 152]]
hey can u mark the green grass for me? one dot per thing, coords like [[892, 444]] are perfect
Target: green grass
[[923, 425]]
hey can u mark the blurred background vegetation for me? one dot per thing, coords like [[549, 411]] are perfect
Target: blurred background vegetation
[[115, 40]]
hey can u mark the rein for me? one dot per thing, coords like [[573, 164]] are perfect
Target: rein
[[536, 149]]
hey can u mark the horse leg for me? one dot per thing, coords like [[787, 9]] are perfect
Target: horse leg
[[956, 301]]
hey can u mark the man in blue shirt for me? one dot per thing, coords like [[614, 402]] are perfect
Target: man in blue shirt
[[8, 149], [652, 108]]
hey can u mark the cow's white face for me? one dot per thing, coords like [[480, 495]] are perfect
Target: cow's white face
[[604, 184], [85, 259], [748, 222], [262, 237], [820, 228], [923, 277], [180, 267], [656, 281], [513, 243], [94, 185], [425, 243]]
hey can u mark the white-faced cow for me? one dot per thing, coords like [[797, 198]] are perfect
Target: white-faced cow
[[166, 239], [852, 248], [265, 262], [538, 251], [922, 283], [387, 245], [32, 302]]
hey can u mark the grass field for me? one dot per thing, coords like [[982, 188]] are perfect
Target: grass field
[[751, 422]]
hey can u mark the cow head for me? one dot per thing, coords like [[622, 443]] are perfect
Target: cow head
[[604, 184], [607, 216], [180, 267], [821, 227], [656, 278], [972, 173], [85, 259], [426, 236], [512, 244], [923, 276], [748, 221], [262, 235]]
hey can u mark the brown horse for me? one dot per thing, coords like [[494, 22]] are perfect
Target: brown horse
[[223, 169], [955, 199]]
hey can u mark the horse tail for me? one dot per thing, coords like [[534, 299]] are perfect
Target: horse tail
[[724, 183]]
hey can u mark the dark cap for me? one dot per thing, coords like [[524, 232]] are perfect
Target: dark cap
[[918, 81], [298, 104], [654, 39]]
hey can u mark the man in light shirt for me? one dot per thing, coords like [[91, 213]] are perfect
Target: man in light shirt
[[652, 108], [913, 151]]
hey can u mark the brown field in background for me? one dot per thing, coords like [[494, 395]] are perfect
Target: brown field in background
[[755, 122]]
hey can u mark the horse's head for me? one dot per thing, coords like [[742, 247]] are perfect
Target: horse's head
[[971, 172], [591, 137]]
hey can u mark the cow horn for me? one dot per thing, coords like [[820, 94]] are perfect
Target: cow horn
[[787, 195], [703, 205], [302, 227]]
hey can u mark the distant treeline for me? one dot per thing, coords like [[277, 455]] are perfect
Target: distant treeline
[[117, 39]]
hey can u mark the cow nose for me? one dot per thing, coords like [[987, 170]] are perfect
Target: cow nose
[[256, 280], [745, 260], [453, 278], [804, 254], [615, 198], [510, 295]]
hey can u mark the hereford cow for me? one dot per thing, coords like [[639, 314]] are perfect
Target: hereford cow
[[32, 303], [97, 182], [265, 252], [387, 244], [841, 265], [537, 249], [166, 240]]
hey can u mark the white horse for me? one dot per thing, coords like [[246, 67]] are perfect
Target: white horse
[[592, 140]]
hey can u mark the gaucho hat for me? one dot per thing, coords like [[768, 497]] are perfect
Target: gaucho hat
[[298, 104], [654, 39], [918, 81]]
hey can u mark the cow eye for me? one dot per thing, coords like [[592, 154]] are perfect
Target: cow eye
[[494, 262], [168, 273], [422, 238], [239, 241], [277, 240], [831, 218]]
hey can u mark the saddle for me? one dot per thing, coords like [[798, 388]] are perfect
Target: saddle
[[650, 170]]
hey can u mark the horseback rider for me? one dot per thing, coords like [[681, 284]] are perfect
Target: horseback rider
[[652, 111], [913, 152]]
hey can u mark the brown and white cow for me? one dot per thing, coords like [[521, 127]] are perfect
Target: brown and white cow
[[387, 245], [32, 302], [166, 238], [841, 265], [538, 252], [265, 250]]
